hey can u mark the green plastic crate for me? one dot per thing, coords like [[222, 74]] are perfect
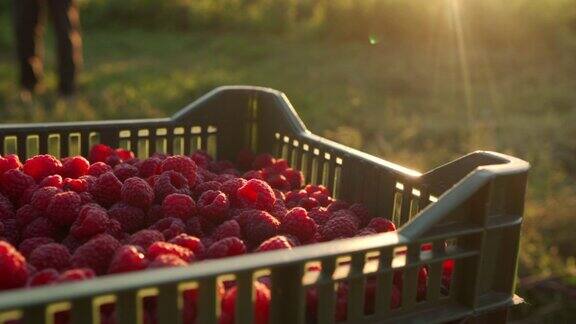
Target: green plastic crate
[[474, 204]]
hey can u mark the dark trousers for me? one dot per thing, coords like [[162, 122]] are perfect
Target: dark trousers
[[29, 33]]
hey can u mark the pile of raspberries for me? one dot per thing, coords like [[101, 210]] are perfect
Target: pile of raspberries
[[74, 219]]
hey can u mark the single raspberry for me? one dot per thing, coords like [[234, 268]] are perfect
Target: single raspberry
[[14, 182], [96, 254], [42, 197], [299, 224], [78, 274], [107, 189], [113, 160], [320, 215], [91, 221], [9, 162], [205, 186], [128, 258], [229, 228], [99, 168], [278, 181], [131, 218], [159, 248], [338, 227], [137, 192], [145, 238], [11, 231], [229, 246], [170, 227], [213, 205], [51, 255], [230, 188], [274, 243], [259, 227], [124, 154], [26, 196], [279, 210], [40, 227], [257, 194], [115, 229], [26, 214], [54, 180], [194, 227], [179, 206], [262, 297], [192, 243], [75, 167], [308, 203], [76, 185], [362, 212], [86, 198], [167, 261], [13, 270], [43, 278], [124, 171], [41, 166], [183, 165], [337, 205], [99, 153], [64, 207], [262, 161], [170, 182], [28, 245], [253, 174], [154, 214], [294, 177], [381, 225], [293, 197], [346, 213], [149, 167]]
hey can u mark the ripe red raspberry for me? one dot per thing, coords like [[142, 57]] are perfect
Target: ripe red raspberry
[[107, 189], [278, 181], [13, 270], [54, 180], [167, 261], [159, 248], [229, 246], [320, 215], [337, 205], [190, 242], [279, 210], [75, 167], [149, 167], [9, 162], [91, 221], [99, 153], [28, 245], [262, 297], [294, 177], [338, 227], [274, 243], [42, 197], [259, 227], [170, 182], [323, 199], [76, 185], [262, 161], [205, 186], [79, 274], [26, 197], [43, 278], [131, 218], [194, 227], [298, 223], [179, 206], [311, 188], [99, 168], [362, 212], [169, 227], [447, 272], [213, 205], [124, 171], [128, 258], [293, 197], [257, 194], [51, 255], [381, 225], [308, 203], [230, 188], [137, 192], [64, 207], [229, 228], [26, 214], [183, 165], [96, 254], [41, 166], [40, 227], [253, 174], [124, 154], [14, 182], [145, 238], [346, 213]]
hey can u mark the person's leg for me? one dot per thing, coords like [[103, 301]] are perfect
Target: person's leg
[[28, 42], [66, 19]]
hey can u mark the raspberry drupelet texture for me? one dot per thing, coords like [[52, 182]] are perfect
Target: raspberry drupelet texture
[[64, 207], [213, 205], [183, 165], [128, 258], [149, 167], [132, 219], [42, 197], [40, 227], [338, 227], [257, 194], [278, 242], [170, 182], [100, 152], [54, 180], [179, 205], [91, 221], [28, 245], [41, 166], [160, 248], [26, 214], [13, 269], [14, 182], [124, 171], [75, 167], [190, 242], [145, 238], [229, 228], [43, 278], [258, 226], [9, 162], [169, 227], [107, 189], [229, 246], [51, 255], [297, 223], [230, 188], [137, 192], [99, 168], [96, 254]]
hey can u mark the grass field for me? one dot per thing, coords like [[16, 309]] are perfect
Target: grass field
[[419, 106]]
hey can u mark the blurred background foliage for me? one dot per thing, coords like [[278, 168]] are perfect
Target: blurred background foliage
[[416, 82]]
